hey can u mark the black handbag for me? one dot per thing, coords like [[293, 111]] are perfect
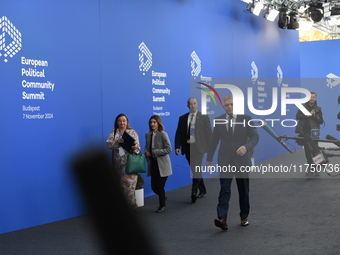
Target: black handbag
[[136, 163]]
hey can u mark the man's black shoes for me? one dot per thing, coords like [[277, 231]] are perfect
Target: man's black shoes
[[193, 198]]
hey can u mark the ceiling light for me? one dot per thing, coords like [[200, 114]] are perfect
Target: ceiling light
[[320, 14], [293, 22], [271, 14], [335, 11], [305, 25], [257, 8], [316, 12], [283, 19], [248, 8]]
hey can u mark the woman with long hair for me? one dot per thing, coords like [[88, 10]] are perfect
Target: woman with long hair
[[120, 154], [157, 150]]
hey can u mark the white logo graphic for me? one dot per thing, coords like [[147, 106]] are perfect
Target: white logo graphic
[[145, 64], [279, 75], [10, 44], [332, 80], [239, 100], [195, 64], [254, 72]]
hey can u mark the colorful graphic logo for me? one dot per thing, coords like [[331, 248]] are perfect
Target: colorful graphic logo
[[10, 39], [209, 93]]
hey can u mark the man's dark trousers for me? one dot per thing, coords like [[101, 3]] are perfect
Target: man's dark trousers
[[242, 181], [194, 158]]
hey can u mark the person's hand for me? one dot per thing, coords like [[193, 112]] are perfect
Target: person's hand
[[241, 151], [120, 140], [135, 145], [313, 112], [110, 141], [177, 151], [148, 154]]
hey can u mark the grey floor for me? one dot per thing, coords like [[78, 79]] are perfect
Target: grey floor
[[295, 215]]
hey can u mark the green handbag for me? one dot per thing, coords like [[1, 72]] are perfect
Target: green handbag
[[136, 163]]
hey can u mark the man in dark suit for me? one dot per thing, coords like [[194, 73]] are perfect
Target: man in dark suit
[[238, 137], [192, 137]]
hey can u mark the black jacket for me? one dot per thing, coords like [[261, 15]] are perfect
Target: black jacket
[[202, 133]]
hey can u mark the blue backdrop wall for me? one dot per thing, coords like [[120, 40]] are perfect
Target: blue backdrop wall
[[320, 72], [68, 68]]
